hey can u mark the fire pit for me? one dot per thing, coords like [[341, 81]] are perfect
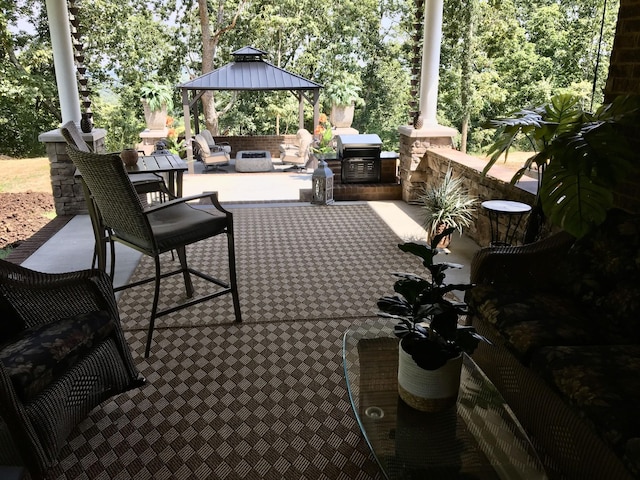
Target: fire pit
[[253, 161]]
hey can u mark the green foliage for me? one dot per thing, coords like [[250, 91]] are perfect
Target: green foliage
[[427, 319], [157, 94], [122, 125], [584, 156], [344, 90]]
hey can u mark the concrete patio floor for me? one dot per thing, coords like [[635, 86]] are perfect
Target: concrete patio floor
[[71, 248]]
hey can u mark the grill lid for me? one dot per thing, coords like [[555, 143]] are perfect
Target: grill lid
[[345, 142]]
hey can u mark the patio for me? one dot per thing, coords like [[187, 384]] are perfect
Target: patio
[[264, 399]]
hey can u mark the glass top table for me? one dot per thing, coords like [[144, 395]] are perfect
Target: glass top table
[[479, 438]]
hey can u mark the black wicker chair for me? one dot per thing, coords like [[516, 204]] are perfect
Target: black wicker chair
[[62, 353], [155, 230]]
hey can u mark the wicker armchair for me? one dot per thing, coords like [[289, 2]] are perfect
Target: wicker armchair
[[152, 231], [525, 264], [62, 353]]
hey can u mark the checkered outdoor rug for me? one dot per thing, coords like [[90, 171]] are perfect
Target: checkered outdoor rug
[[293, 263], [265, 399]]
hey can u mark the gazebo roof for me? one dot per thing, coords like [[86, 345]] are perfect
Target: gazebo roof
[[249, 71]]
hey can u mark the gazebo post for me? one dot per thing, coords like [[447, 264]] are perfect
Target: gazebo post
[[300, 110], [316, 107], [187, 129]]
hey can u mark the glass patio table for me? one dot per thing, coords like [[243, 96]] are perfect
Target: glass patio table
[[478, 438]]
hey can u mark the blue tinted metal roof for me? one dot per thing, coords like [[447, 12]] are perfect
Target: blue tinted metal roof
[[250, 71]]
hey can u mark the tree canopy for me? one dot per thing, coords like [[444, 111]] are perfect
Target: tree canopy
[[497, 57]]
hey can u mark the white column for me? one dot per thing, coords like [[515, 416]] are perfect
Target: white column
[[63, 60], [431, 61]]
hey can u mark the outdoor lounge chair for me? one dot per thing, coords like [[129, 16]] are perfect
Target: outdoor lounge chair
[[62, 353], [155, 230], [213, 146], [297, 153], [210, 158]]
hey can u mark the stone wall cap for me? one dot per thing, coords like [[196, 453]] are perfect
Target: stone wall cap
[[55, 136], [427, 131]]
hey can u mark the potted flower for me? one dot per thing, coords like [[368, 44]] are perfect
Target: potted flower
[[323, 136], [432, 341], [447, 205], [344, 95], [157, 99], [582, 157]]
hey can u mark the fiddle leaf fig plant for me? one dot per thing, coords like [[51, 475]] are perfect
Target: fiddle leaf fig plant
[[427, 316], [581, 156]]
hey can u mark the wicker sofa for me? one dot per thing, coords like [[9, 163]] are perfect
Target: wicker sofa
[[564, 317]]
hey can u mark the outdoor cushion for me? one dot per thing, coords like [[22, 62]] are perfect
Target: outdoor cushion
[[532, 319], [602, 383], [39, 355]]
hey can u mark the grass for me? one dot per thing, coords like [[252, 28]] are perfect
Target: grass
[[19, 175]]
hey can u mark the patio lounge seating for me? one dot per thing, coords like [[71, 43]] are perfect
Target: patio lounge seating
[[297, 153], [213, 146], [563, 317], [152, 231], [62, 353], [210, 158]]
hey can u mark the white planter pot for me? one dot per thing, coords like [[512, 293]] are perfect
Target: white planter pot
[[342, 116], [428, 390], [157, 119]]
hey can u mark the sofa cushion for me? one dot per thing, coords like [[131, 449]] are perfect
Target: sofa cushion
[[39, 355], [529, 320], [602, 383], [602, 271]]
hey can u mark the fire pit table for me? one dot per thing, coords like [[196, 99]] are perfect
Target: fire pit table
[[253, 161]]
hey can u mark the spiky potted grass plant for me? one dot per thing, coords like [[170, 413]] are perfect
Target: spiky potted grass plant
[[445, 205]]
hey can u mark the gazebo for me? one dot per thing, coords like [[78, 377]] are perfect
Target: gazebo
[[248, 71]]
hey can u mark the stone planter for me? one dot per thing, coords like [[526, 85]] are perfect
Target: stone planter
[[342, 116], [155, 119]]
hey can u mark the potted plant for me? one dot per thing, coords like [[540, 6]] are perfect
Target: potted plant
[[581, 158], [432, 341], [157, 99], [344, 95], [445, 205], [323, 137]]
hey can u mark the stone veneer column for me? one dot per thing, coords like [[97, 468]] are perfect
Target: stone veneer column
[[413, 146], [68, 196]]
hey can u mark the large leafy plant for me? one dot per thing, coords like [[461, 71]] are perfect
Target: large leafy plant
[[581, 156], [427, 316], [157, 94], [344, 91]]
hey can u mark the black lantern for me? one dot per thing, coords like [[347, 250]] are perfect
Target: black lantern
[[322, 184]]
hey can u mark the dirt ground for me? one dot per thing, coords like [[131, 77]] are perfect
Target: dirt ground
[[26, 201]]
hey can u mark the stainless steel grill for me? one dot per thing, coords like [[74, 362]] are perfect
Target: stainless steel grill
[[360, 157]]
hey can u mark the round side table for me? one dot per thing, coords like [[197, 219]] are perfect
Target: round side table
[[512, 212]]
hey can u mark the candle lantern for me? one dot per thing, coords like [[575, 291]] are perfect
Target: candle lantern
[[322, 184]]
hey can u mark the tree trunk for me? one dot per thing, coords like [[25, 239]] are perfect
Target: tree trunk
[[209, 44]]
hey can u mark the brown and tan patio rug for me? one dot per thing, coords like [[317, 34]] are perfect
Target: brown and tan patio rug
[[294, 263], [253, 401], [265, 399]]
